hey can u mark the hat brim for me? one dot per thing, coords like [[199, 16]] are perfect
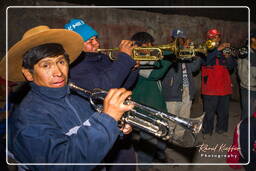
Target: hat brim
[[71, 42]]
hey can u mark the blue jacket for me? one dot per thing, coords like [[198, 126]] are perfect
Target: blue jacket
[[51, 125], [95, 70], [210, 60]]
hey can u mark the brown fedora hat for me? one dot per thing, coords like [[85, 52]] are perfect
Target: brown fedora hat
[[71, 42]]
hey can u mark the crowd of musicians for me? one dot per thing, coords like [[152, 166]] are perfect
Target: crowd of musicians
[[53, 123]]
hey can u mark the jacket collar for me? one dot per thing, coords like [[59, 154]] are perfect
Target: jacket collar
[[55, 93]]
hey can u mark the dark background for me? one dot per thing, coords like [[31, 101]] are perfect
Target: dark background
[[237, 15]]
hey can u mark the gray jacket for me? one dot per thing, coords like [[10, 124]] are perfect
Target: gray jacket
[[173, 81], [243, 69]]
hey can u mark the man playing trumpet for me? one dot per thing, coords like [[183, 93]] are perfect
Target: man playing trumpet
[[52, 125], [216, 85], [105, 74]]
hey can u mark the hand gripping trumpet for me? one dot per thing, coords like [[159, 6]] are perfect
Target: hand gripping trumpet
[[145, 118]]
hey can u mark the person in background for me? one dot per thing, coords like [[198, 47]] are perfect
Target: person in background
[[3, 115], [97, 67], [240, 152], [104, 73], [148, 91], [179, 87], [243, 72], [216, 85], [60, 125]]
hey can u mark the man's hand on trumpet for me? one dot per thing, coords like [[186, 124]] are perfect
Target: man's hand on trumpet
[[114, 103], [126, 46]]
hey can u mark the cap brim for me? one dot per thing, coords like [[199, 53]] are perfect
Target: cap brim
[[71, 42]]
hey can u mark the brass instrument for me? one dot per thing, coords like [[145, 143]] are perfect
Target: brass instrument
[[230, 51], [210, 44], [153, 53], [138, 54], [191, 51], [145, 118], [241, 52]]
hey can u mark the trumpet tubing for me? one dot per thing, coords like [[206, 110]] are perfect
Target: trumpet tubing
[[138, 54], [144, 117], [153, 53]]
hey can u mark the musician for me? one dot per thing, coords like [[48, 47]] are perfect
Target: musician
[[53, 125], [216, 85], [242, 152], [243, 66], [179, 87], [104, 73], [97, 67], [148, 91]]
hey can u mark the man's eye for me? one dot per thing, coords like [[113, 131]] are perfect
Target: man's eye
[[62, 62], [45, 65]]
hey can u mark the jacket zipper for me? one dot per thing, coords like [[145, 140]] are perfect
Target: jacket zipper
[[74, 110]]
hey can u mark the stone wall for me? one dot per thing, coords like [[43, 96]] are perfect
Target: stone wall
[[115, 24]]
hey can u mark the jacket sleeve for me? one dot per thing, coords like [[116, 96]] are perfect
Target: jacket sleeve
[[253, 72], [87, 143], [231, 63], [196, 64], [157, 74], [111, 75], [131, 79]]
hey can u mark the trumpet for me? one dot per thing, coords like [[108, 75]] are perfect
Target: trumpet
[[138, 54], [190, 52], [184, 53], [153, 53], [145, 118], [210, 44]]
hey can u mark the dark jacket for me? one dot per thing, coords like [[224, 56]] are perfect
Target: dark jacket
[[51, 125], [95, 70], [173, 80]]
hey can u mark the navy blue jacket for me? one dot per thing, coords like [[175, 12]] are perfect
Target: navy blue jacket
[[51, 125], [95, 70], [210, 60]]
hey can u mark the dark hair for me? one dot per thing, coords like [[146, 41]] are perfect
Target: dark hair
[[33, 55], [142, 37]]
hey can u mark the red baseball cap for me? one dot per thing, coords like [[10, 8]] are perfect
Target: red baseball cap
[[212, 33]]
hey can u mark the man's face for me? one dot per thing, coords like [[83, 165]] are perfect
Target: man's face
[[49, 72], [91, 45], [181, 42], [216, 38]]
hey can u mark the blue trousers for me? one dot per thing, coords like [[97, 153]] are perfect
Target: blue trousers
[[212, 105]]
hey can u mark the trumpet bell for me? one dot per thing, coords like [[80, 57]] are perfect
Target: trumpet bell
[[210, 44]]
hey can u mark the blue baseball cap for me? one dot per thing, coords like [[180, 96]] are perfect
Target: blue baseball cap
[[177, 33], [80, 27]]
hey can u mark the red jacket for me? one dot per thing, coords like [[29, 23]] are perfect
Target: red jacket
[[215, 77]]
